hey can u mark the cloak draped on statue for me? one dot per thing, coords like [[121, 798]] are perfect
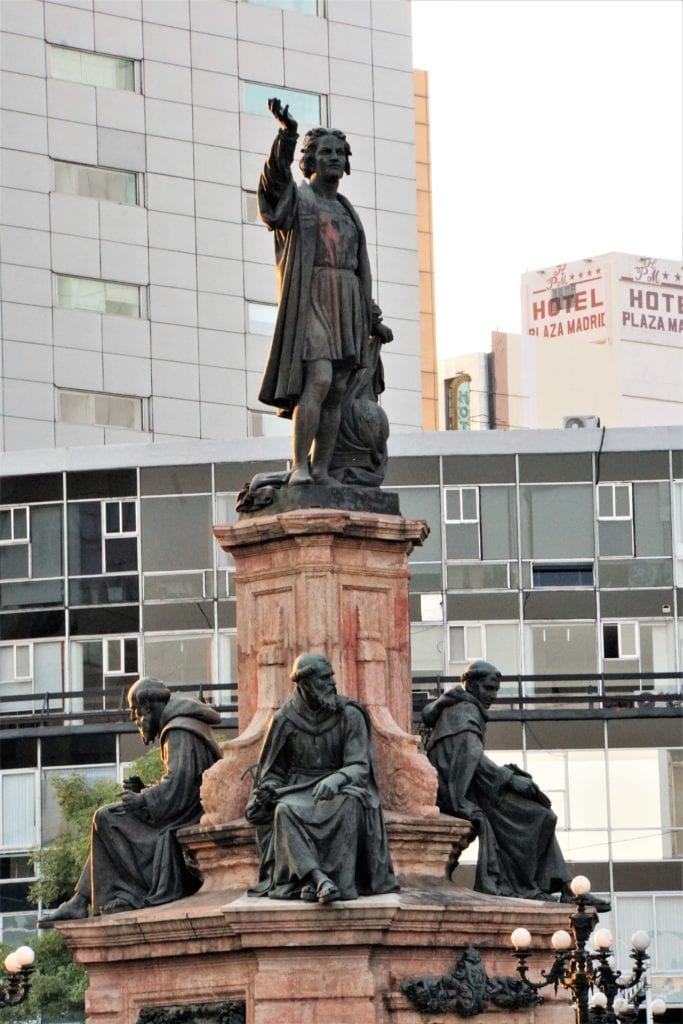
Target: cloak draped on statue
[[344, 836], [518, 852], [291, 211], [135, 857]]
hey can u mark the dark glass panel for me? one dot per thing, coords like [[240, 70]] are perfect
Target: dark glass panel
[[115, 691], [478, 469], [176, 533], [633, 466], [637, 572], [232, 476], [121, 554], [167, 617], [652, 519], [104, 590], [567, 604], [113, 517], [31, 593], [46, 541], [481, 607], [14, 898], [128, 517], [175, 479], [553, 467], [85, 539], [563, 575], [226, 614], [412, 470], [424, 503], [79, 748], [557, 521], [14, 561], [102, 483], [92, 670], [130, 654], [498, 515], [635, 604], [16, 867], [19, 490], [5, 524], [18, 752], [31, 625], [112, 619]]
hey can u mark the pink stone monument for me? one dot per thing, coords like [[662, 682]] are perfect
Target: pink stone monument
[[336, 582]]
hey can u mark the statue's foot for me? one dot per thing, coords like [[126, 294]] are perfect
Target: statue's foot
[[74, 909], [327, 892], [591, 900], [309, 894], [116, 906], [300, 475], [325, 480]]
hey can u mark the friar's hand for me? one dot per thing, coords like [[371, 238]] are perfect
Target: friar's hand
[[133, 784], [281, 114], [328, 787], [133, 802], [383, 333]]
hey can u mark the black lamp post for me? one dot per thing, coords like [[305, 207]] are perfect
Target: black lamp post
[[600, 994], [16, 984]]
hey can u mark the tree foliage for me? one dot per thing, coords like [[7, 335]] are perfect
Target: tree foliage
[[58, 984]]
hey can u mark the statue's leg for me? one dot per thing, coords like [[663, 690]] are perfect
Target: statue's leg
[[306, 419], [328, 430]]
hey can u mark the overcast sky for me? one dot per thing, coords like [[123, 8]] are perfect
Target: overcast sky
[[556, 135]]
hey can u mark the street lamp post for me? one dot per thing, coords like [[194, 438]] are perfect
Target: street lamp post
[[600, 994], [16, 985]]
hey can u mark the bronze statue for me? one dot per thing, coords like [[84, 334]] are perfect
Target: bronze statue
[[324, 357], [135, 859], [316, 806], [518, 851]]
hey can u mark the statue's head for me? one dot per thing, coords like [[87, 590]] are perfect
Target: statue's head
[[325, 149], [147, 699], [314, 678], [482, 680]]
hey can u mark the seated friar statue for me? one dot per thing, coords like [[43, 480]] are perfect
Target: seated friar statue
[[519, 854], [135, 859], [315, 804]]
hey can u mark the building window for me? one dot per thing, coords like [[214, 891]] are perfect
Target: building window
[[562, 575], [261, 318], [30, 543], [298, 6], [94, 408], [619, 640], [103, 670], [497, 642], [182, 658], [250, 207], [615, 519], [17, 809], [17, 913], [95, 546], [91, 68], [29, 668], [458, 411], [552, 648], [462, 522], [306, 107], [97, 296], [96, 182], [557, 521]]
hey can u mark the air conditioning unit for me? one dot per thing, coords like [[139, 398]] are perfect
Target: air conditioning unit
[[578, 422]]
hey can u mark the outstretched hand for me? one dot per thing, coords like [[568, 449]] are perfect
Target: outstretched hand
[[281, 114]]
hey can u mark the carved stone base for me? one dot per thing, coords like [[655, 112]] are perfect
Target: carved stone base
[[297, 963], [228, 859]]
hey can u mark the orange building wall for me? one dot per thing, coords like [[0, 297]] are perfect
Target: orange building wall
[[430, 394]]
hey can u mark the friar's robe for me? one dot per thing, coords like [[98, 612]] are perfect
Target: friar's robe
[[518, 852], [135, 856], [343, 837], [290, 211]]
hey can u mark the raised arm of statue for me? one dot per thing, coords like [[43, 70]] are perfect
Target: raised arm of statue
[[282, 115]]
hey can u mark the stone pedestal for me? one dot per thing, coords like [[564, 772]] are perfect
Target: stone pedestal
[[331, 581], [295, 963]]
